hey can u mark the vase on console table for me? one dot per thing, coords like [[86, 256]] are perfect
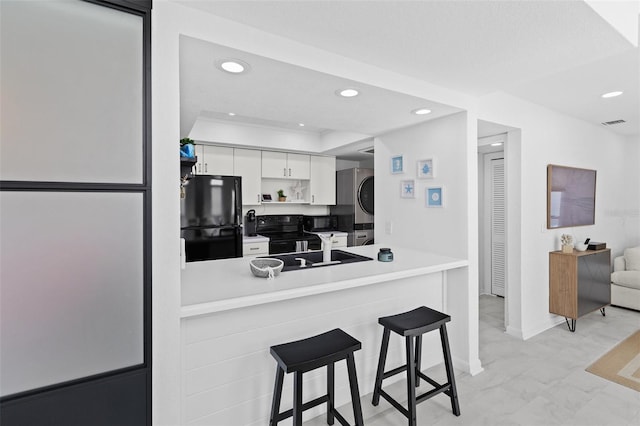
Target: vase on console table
[[566, 241]]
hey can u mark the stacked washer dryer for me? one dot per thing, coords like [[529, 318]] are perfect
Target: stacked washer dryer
[[354, 205]]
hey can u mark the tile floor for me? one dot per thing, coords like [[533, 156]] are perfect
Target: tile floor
[[537, 382]]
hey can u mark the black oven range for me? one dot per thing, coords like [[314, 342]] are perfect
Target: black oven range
[[286, 233]]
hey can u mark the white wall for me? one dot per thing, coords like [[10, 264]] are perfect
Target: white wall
[[441, 230], [548, 137]]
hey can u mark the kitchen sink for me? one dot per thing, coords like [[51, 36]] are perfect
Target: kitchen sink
[[314, 259]]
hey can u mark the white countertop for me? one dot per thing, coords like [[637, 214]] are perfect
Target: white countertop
[[220, 285], [254, 239]]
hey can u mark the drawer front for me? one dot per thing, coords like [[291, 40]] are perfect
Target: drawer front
[[339, 242], [250, 249]]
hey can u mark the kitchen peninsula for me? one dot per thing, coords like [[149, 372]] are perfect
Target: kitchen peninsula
[[230, 319]]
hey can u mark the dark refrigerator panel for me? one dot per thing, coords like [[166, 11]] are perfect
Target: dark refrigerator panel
[[211, 201], [210, 217]]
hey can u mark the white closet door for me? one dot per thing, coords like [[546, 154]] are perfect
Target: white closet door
[[498, 255]]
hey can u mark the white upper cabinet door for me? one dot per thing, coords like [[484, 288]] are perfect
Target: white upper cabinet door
[[322, 181], [298, 166], [198, 168], [217, 160], [282, 165], [247, 164], [274, 164]]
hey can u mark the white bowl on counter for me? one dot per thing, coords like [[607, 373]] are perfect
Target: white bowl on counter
[[260, 267]]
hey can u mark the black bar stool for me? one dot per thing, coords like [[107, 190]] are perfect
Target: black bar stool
[[414, 324], [306, 355]]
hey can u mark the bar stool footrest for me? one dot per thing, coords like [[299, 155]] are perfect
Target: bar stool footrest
[[401, 369], [395, 403], [305, 406], [320, 400], [433, 392]]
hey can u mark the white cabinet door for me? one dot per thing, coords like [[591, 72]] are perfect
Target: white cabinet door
[[247, 164], [199, 166], [298, 166], [274, 164], [322, 182], [281, 165], [217, 160]]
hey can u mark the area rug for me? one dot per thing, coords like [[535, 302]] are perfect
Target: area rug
[[621, 364]]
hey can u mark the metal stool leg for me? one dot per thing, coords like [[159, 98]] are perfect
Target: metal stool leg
[[330, 393], [411, 381], [381, 362], [453, 392], [297, 399], [355, 393], [277, 394]]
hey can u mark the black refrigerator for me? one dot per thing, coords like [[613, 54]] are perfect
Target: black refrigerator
[[211, 217]]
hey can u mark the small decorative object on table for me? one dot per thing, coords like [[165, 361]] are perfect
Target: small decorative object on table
[[385, 255], [567, 243], [281, 196]]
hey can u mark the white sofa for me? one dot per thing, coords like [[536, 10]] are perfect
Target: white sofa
[[625, 279]]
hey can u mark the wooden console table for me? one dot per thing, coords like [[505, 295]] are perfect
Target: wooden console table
[[579, 283]]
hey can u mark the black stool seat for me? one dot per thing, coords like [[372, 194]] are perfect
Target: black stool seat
[[412, 325], [301, 356], [313, 352]]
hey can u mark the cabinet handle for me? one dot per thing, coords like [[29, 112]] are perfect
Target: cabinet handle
[[199, 167], [206, 169], [258, 198], [313, 198], [254, 248], [289, 172], [285, 172]]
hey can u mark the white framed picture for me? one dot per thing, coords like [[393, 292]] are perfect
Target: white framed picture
[[435, 196], [408, 189], [397, 164], [425, 169]]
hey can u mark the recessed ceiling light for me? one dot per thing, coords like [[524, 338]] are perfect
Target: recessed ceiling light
[[347, 93], [232, 113], [233, 66], [496, 144], [612, 94], [301, 124], [421, 111]]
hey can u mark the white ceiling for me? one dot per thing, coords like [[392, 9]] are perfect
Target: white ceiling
[[560, 54], [279, 94]]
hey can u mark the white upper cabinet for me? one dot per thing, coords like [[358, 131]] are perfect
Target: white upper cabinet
[[322, 183], [282, 165], [214, 160], [274, 164], [298, 166], [247, 164]]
